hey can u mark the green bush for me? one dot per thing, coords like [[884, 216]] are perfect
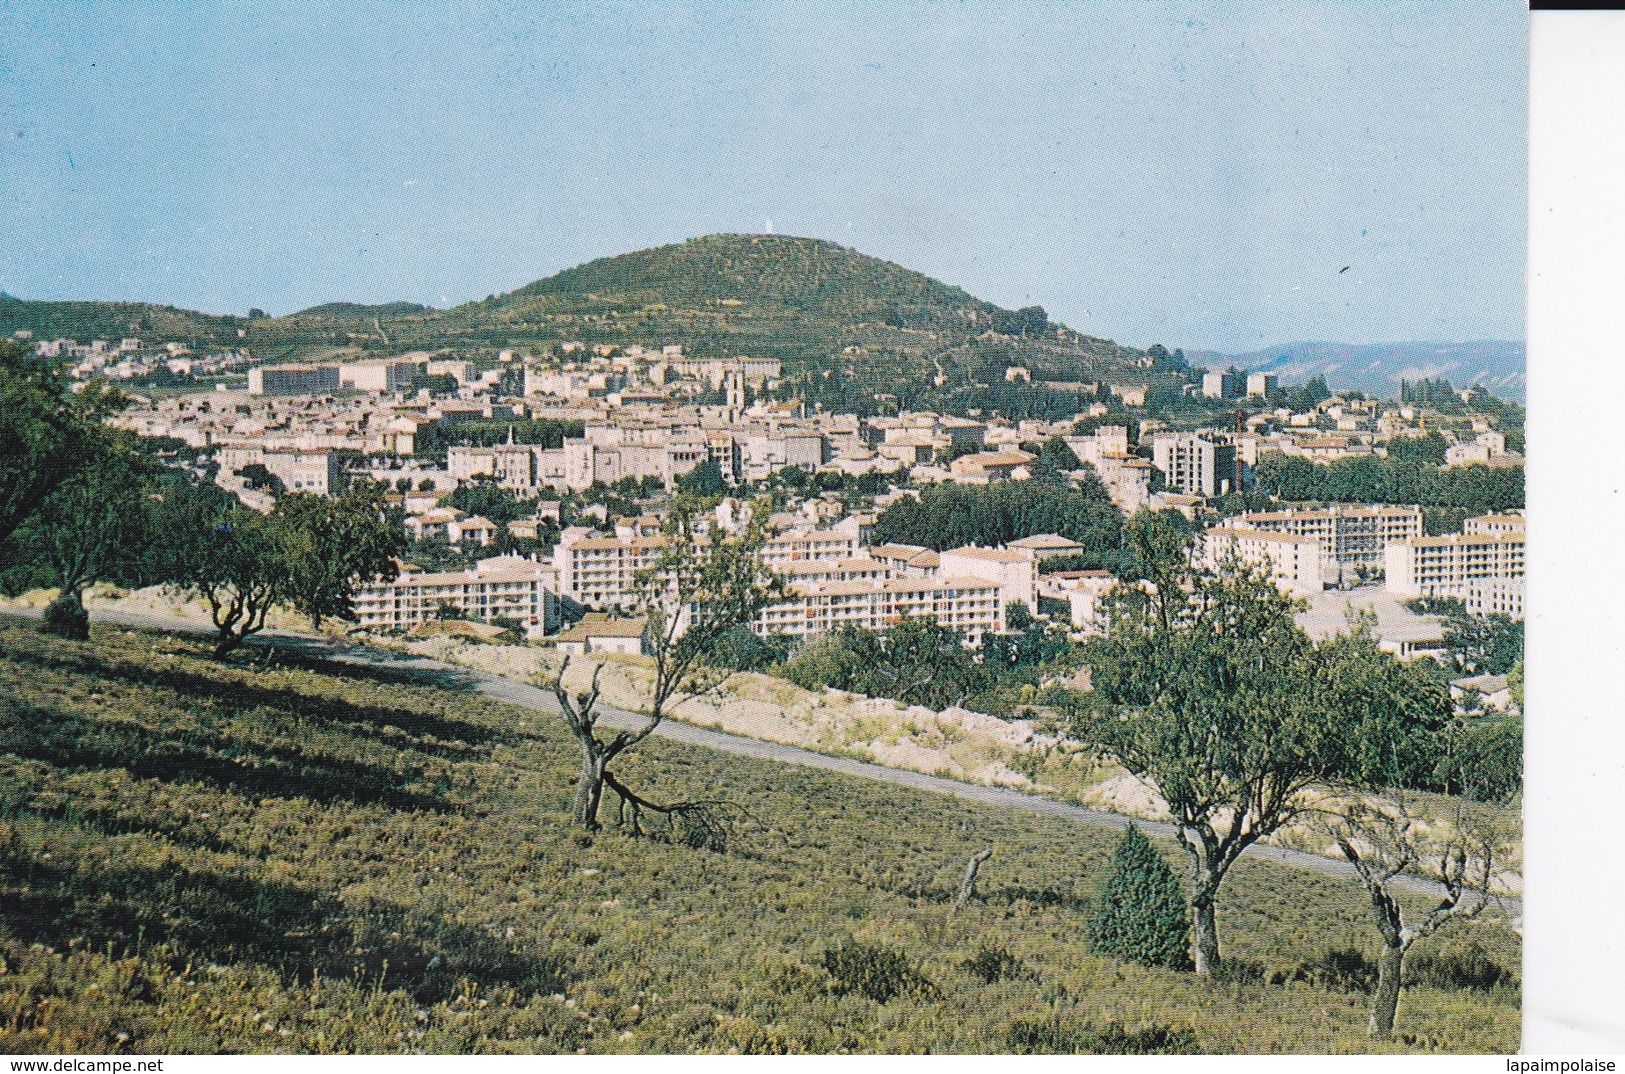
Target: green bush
[[1141, 915], [1029, 1037], [1469, 969], [1341, 969], [874, 970], [65, 617], [992, 964]]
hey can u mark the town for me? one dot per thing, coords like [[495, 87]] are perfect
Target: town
[[581, 447]]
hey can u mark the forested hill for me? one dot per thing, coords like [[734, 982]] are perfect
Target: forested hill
[[844, 324]]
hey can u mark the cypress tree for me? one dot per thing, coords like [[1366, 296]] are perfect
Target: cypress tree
[[1141, 915]]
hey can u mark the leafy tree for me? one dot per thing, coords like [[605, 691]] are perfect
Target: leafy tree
[[1393, 714], [704, 480], [434, 384], [1483, 758], [1141, 914], [951, 516], [1484, 644], [1428, 450], [918, 661], [1206, 690], [256, 476], [332, 546], [89, 524], [230, 558], [696, 593], [1369, 479], [489, 500], [46, 432], [1055, 461]]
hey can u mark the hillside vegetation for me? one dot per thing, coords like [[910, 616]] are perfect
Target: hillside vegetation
[[819, 307], [197, 857]]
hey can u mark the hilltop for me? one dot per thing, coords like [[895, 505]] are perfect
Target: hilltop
[[824, 310], [284, 856]]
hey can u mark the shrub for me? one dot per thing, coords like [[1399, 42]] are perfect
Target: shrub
[[1339, 969], [1471, 969], [874, 970], [65, 617], [1141, 915], [993, 964], [1030, 1037]]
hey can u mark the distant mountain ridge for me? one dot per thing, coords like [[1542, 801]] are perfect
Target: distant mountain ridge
[[1377, 368]]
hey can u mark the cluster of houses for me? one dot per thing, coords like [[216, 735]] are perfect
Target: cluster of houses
[[655, 414]]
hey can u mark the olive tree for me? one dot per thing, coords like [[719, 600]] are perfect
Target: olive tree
[[88, 525], [330, 546], [1381, 840], [700, 587], [231, 559], [1204, 688], [46, 431]]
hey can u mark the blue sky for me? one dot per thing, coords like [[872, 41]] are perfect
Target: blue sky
[[1191, 174]]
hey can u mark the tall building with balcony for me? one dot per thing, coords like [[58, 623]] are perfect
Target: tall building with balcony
[[1483, 570], [1349, 536], [1196, 464], [503, 587]]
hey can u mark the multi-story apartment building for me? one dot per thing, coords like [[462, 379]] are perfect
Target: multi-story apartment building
[[1294, 563], [1483, 569], [1483, 524], [1229, 384], [293, 379], [809, 544], [510, 587], [1013, 570], [1349, 537], [972, 606], [600, 572], [388, 376], [1196, 464]]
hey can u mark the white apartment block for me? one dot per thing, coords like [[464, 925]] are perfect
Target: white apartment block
[[1294, 563], [509, 587], [783, 549], [972, 606], [1014, 571], [1492, 524], [1195, 464], [1483, 569], [1348, 536], [379, 377], [814, 572], [293, 379], [601, 572]]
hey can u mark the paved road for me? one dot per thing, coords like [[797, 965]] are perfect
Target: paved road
[[457, 677]]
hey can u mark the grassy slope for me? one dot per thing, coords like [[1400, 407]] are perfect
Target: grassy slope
[[198, 858]]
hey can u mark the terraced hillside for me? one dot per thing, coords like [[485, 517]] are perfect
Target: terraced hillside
[[272, 857]]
